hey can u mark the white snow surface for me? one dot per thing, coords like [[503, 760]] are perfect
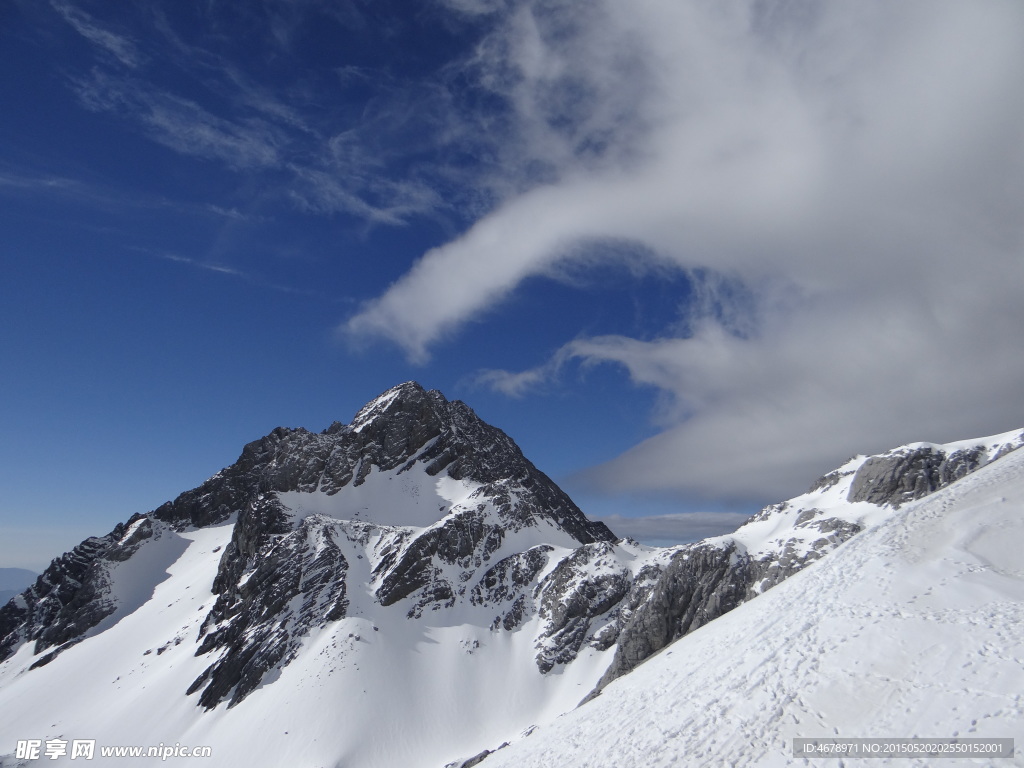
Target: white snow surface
[[389, 497], [911, 629]]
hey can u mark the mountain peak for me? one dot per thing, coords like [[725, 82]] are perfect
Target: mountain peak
[[409, 395], [438, 490], [406, 429]]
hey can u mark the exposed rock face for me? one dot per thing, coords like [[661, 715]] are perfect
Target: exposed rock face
[[583, 587], [256, 621], [704, 581], [70, 596], [267, 564], [901, 476], [697, 585]]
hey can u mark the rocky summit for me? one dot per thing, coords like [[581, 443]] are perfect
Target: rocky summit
[[409, 457], [410, 571]]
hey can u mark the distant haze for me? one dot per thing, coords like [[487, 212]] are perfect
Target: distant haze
[[13, 581]]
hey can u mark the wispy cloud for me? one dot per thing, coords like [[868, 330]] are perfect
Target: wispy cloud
[[122, 48], [209, 266], [519, 383], [223, 269], [324, 191], [23, 183], [228, 213], [93, 194], [182, 124], [315, 148], [850, 167]]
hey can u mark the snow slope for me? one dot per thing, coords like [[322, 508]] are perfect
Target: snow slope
[[912, 628], [375, 689]]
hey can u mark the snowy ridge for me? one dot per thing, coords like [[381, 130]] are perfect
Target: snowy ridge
[[364, 560], [800, 519], [911, 629], [705, 580]]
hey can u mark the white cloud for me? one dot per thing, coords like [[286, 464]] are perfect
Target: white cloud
[[858, 166]]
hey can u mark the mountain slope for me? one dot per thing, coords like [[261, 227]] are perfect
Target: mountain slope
[[428, 488], [384, 558], [705, 580], [910, 629], [405, 589]]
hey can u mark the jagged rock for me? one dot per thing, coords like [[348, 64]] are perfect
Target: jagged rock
[[699, 584], [71, 596], [253, 620], [583, 586], [898, 477], [510, 577], [828, 480], [464, 537]]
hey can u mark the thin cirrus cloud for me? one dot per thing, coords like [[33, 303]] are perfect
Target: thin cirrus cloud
[[120, 47], [250, 129], [223, 269], [855, 166], [181, 124]]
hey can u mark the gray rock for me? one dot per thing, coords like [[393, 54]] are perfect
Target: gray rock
[[253, 623], [898, 477], [582, 587], [72, 595], [699, 584]]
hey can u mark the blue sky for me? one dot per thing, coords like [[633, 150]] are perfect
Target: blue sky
[[689, 255]]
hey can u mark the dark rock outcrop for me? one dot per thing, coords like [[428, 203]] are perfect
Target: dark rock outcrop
[[582, 587], [699, 584], [255, 621], [71, 596], [898, 477]]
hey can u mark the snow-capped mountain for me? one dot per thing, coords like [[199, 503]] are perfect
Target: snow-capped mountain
[[407, 589]]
